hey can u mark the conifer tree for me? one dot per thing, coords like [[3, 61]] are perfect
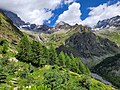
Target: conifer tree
[[53, 55], [37, 54], [68, 61], [62, 59], [24, 50], [46, 54]]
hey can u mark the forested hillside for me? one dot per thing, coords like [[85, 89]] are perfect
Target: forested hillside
[[110, 69], [41, 68]]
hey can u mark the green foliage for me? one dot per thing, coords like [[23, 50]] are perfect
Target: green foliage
[[109, 68], [3, 46], [24, 50], [55, 78], [62, 59], [72, 63], [53, 55], [39, 56], [32, 53], [36, 87], [58, 78], [8, 31], [26, 77]]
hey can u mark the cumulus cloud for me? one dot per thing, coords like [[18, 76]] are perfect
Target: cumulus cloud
[[69, 1], [34, 11], [72, 15], [38, 11], [104, 11], [101, 12]]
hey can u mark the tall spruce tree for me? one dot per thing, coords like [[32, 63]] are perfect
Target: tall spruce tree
[[62, 59], [53, 56], [24, 50], [68, 61], [46, 54], [37, 57]]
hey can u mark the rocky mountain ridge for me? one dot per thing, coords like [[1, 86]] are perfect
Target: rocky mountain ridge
[[90, 47], [33, 27], [8, 30], [111, 23], [14, 17]]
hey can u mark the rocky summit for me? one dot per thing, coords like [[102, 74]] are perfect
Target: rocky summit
[[112, 23], [14, 17]]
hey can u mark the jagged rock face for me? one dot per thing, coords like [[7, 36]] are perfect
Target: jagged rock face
[[62, 25], [113, 22], [33, 26], [88, 45], [20, 23], [43, 27], [14, 17]]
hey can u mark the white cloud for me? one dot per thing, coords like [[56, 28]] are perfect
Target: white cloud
[[72, 15], [69, 1], [31, 10], [101, 12], [37, 11]]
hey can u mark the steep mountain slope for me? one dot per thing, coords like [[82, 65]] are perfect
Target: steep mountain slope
[[90, 47], [23, 25], [113, 23], [8, 31], [109, 68], [113, 35], [14, 17], [58, 38]]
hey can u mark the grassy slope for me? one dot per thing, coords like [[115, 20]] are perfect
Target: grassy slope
[[58, 38], [113, 35], [22, 77], [8, 31]]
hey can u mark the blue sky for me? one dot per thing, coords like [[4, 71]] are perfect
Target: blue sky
[[50, 12], [85, 4]]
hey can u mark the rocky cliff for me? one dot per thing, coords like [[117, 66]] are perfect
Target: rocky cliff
[[89, 46]]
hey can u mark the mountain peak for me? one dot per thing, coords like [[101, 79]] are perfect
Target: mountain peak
[[62, 25], [14, 17], [113, 22]]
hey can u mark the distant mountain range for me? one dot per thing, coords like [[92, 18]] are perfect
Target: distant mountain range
[[112, 23], [22, 24], [37, 28]]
